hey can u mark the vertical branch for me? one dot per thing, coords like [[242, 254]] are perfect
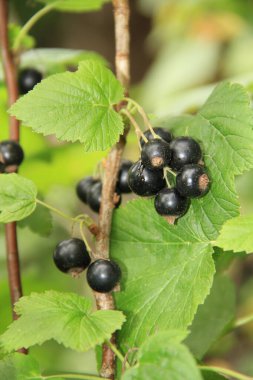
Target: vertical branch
[[12, 90], [106, 301]]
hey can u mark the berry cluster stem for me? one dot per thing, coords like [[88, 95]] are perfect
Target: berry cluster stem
[[12, 91], [138, 131]]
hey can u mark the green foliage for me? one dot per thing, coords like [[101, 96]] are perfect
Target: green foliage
[[75, 106], [64, 317], [75, 5], [213, 317], [164, 357], [167, 271], [17, 197], [27, 42], [236, 234], [40, 221], [20, 367]]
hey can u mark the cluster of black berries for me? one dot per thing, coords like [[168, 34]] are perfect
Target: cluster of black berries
[[181, 155], [89, 189], [11, 155], [27, 79], [71, 256]]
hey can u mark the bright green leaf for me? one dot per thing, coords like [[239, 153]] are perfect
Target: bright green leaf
[[75, 106], [213, 317], [64, 317], [75, 5], [236, 234], [27, 42], [17, 197], [167, 271], [40, 221], [163, 357]]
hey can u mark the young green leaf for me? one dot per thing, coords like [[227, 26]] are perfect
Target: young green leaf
[[64, 317], [75, 106], [40, 221], [75, 5], [164, 357], [167, 271], [27, 42], [17, 197], [213, 317], [236, 234]]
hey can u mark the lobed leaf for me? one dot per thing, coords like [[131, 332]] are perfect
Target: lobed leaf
[[64, 317]]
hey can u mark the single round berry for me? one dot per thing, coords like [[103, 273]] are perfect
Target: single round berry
[[161, 132], [185, 150], [145, 182], [71, 256], [169, 202], [103, 275], [122, 183], [28, 78], [192, 181], [156, 154], [11, 153], [94, 197], [83, 187]]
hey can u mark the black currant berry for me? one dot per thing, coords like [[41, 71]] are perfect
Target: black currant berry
[[71, 256], [83, 187], [145, 182], [94, 196], [28, 78], [161, 132], [156, 154], [184, 151], [103, 275], [170, 203], [192, 181], [11, 153], [122, 183]]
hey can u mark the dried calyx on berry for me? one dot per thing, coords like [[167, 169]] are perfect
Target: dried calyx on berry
[[28, 78], [145, 182], [103, 275], [71, 256], [192, 181], [170, 204], [164, 134], [185, 150], [156, 154], [11, 154]]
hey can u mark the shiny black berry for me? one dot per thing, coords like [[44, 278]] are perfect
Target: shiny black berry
[[28, 78], [192, 181], [11, 153], [83, 188], [185, 150], [94, 197], [103, 275], [169, 202], [161, 132], [122, 183], [156, 154], [145, 182], [71, 256]]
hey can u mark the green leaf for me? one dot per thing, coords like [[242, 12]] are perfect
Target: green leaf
[[208, 375], [27, 42], [163, 357], [223, 127], [20, 367], [236, 234], [167, 271], [213, 317], [64, 317], [17, 197], [40, 221], [75, 106], [75, 5]]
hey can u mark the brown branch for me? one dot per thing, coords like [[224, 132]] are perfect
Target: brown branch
[[12, 90], [106, 301]]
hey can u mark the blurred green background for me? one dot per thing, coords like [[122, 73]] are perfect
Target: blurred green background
[[179, 50]]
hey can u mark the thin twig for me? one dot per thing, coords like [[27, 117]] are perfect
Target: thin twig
[[106, 301], [12, 90], [226, 372]]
